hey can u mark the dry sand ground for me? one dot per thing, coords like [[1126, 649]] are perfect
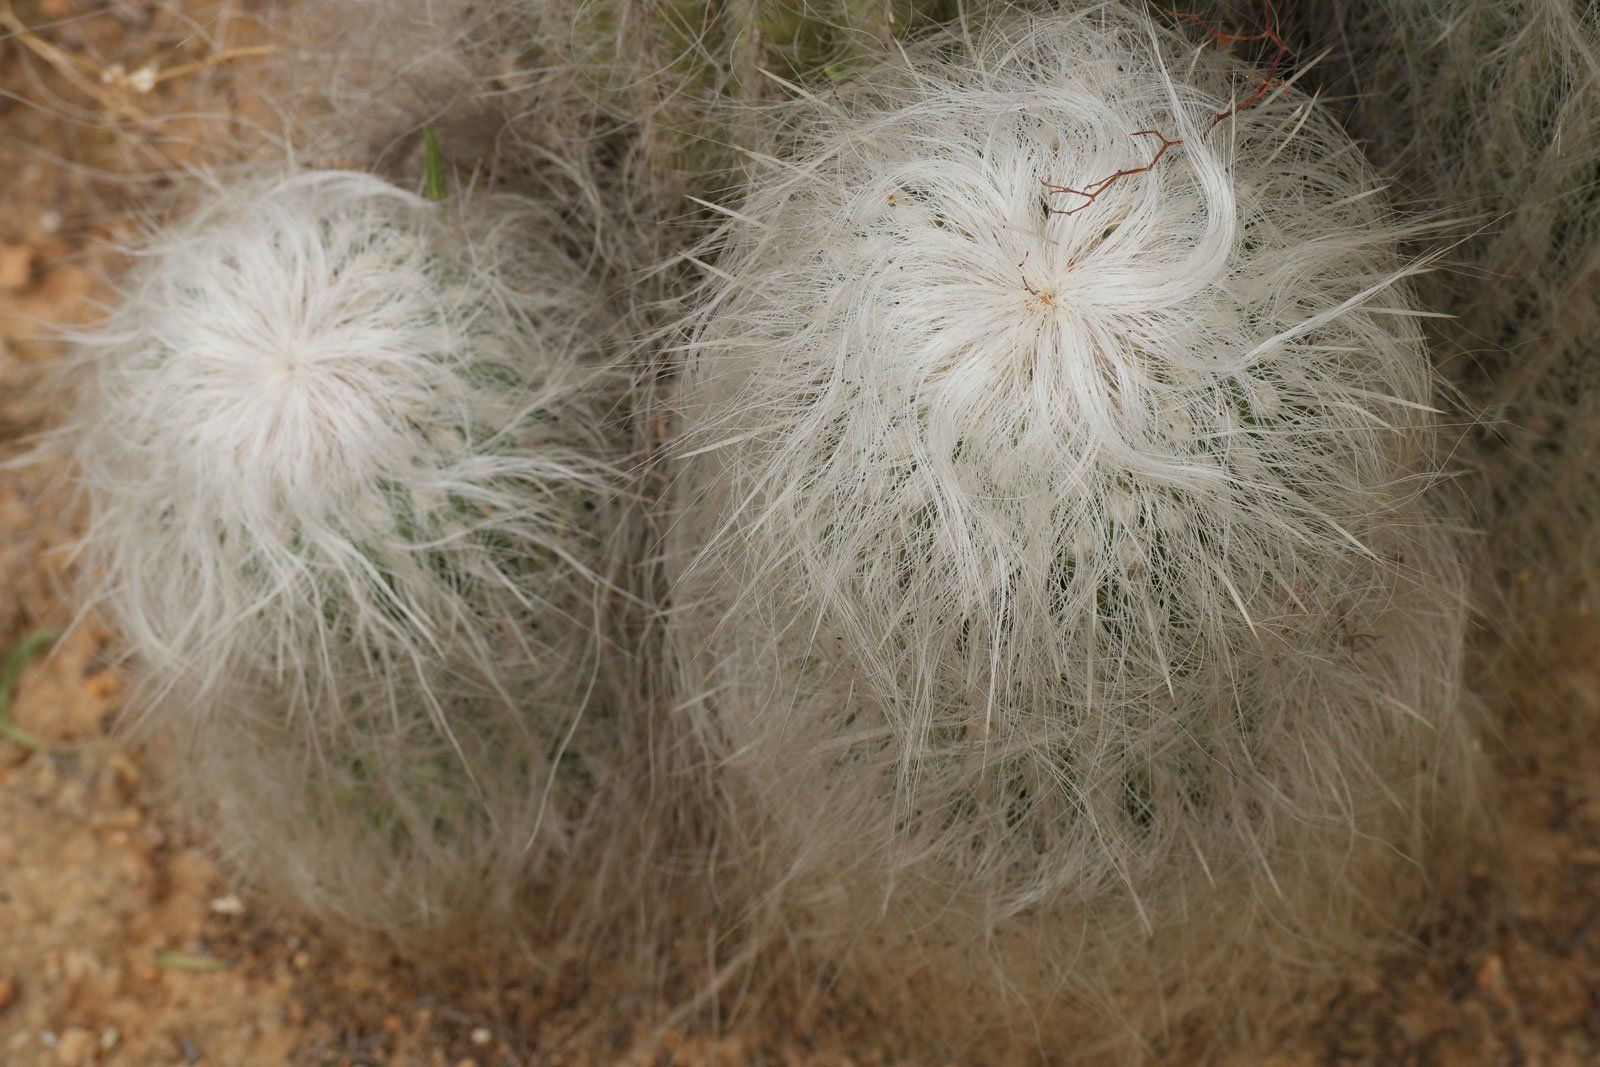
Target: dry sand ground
[[120, 943]]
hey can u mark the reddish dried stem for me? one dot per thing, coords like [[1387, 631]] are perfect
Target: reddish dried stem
[[1269, 81], [1269, 35], [1092, 192]]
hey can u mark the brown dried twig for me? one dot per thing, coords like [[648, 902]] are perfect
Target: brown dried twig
[[1268, 35], [1272, 79], [1091, 192]]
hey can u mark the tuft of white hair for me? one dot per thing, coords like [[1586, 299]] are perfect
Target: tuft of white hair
[[349, 464], [1059, 581]]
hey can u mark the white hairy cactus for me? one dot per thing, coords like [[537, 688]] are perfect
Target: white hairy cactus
[[1058, 578], [348, 461], [1490, 109]]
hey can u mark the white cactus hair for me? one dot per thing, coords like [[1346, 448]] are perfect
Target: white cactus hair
[[349, 461], [1060, 580], [1491, 109]]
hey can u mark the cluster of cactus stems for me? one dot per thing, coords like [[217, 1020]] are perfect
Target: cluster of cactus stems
[[949, 496]]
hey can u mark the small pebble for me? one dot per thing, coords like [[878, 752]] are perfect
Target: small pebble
[[125, 819], [8, 991], [228, 905], [75, 1046], [104, 686], [16, 267], [125, 773], [481, 1036]]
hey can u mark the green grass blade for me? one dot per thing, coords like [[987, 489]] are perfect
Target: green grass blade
[[433, 181], [27, 650], [183, 961]]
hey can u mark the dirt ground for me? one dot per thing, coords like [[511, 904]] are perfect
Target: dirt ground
[[120, 942]]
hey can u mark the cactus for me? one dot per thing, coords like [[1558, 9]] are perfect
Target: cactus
[[1060, 578], [352, 487], [1490, 110]]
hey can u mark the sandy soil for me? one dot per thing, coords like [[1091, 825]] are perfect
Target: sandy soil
[[120, 942]]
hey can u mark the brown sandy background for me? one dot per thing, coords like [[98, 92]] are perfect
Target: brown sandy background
[[121, 943]]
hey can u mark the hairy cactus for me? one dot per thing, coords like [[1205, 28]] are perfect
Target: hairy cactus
[[349, 467], [1059, 579], [1491, 110], [686, 75]]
